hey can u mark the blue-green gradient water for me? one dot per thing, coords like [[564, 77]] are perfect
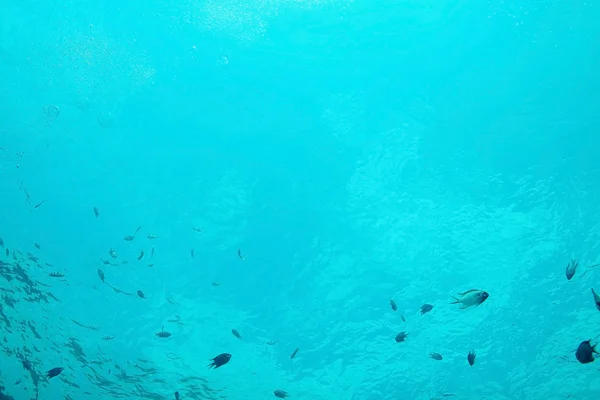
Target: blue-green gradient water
[[353, 152]]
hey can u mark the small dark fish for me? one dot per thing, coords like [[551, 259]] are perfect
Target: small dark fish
[[101, 274], [425, 308], [401, 337], [152, 253], [192, 253], [1, 242], [27, 365], [177, 396], [471, 357], [272, 342], [96, 212], [596, 299], [571, 269], [141, 294], [141, 255], [293, 355], [150, 265], [220, 360], [197, 229], [240, 254], [163, 333], [435, 356], [585, 352], [37, 245], [402, 317], [282, 394], [56, 274], [108, 338], [236, 334], [39, 204], [113, 253], [54, 372], [393, 305]]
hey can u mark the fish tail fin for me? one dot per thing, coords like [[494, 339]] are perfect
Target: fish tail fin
[[456, 301]]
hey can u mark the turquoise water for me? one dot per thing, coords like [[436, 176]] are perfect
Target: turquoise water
[[353, 152]]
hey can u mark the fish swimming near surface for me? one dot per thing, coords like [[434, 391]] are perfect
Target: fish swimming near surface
[[393, 305], [236, 333], [220, 360], [293, 355], [240, 254], [585, 352], [129, 238], [471, 357], [572, 266], [54, 372], [282, 394], [401, 337], [571, 269], [163, 334], [425, 308], [435, 356], [470, 298]]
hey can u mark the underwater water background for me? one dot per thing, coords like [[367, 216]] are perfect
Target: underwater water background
[[353, 151]]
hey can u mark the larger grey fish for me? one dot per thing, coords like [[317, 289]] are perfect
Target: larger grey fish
[[471, 298]]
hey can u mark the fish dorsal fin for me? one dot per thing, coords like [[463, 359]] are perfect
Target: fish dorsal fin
[[469, 291]]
